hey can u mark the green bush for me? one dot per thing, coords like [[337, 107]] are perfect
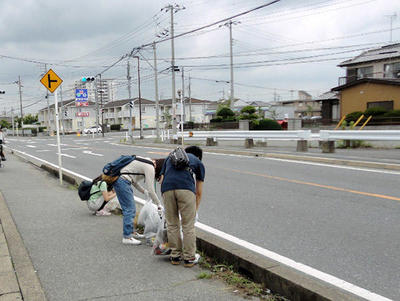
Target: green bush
[[265, 124], [225, 112], [392, 113], [248, 116], [377, 111], [41, 129], [216, 119], [115, 127], [353, 116], [248, 110]]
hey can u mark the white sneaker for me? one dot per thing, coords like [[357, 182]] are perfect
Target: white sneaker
[[131, 241], [137, 235]]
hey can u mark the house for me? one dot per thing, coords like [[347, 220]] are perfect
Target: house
[[330, 108], [196, 110], [72, 118], [118, 112], [382, 62], [372, 80]]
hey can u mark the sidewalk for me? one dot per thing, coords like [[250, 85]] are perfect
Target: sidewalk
[[78, 256]]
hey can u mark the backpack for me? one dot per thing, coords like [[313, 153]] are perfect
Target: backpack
[[113, 168], [179, 158], [84, 190]]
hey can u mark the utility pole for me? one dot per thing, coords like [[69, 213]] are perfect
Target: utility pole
[[229, 25], [173, 72], [12, 119], [173, 9], [97, 102], [128, 77], [392, 17], [156, 92], [48, 104], [140, 100], [101, 104], [183, 97], [62, 111], [190, 100], [20, 103]]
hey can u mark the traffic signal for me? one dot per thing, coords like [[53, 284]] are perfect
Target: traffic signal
[[66, 113], [132, 104], [176, 69], [2, 92], [87, 79]]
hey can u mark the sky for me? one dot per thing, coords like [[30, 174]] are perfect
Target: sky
[[278, 50]]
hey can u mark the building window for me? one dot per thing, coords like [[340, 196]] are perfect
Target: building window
[[143, 109], [387, 105], [364, 72], [392, 70]]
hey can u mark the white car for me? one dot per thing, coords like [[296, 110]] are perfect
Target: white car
[[92, 130]]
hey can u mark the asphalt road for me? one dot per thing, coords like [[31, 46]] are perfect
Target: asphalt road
[[340, 220]]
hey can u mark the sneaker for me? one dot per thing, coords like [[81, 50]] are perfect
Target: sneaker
[[103, 213], [137, 235], [175, 260], [191, 262], [131, 241], [3, 159]]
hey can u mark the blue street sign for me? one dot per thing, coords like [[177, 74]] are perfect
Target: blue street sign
[[81, 95]]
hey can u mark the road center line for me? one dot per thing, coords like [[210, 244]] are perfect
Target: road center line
[[381, 196]]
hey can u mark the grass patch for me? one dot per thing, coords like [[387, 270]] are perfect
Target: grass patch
[[238, 282], [204, 275]]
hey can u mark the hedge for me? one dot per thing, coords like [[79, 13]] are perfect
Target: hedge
[[265, 124]]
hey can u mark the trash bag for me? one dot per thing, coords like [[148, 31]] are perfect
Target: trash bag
[[149, 218], [160, 245]]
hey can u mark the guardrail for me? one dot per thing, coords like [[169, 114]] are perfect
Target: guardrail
[[235, 135], [323, 135], [386, 135]]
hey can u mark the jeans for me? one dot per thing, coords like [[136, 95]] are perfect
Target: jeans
[[124, 192]]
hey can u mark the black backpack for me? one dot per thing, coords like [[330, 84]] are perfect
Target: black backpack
[[84, 190], [179, 158]]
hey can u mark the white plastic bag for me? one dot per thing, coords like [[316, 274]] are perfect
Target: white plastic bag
[[160, 245], [149, 218]]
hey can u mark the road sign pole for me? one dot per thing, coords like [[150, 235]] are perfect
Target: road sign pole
[[58, 139]]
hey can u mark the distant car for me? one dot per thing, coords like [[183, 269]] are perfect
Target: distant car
[[92, 130], [316, 117]]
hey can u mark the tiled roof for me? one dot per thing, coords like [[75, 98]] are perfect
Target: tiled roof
[[194, 100], [382, 53], [68, 103], [120, 103], [391, 82]]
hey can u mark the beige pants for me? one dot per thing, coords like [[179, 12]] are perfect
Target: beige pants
[[183, 202]]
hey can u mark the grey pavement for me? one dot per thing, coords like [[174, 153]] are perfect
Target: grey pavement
[[78, 256]]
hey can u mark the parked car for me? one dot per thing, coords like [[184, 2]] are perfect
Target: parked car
[[92, 130]]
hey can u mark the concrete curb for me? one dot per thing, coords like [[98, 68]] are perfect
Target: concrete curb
[[276, 276], [28, 281]]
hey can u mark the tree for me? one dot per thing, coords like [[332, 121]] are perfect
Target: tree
[[225, 112], [30, 119], [167, 117], [4, 124], [248, 110]]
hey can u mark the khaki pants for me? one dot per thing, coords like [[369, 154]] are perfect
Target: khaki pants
[[183, 202]]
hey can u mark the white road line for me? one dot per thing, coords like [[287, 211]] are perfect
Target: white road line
[[31, 146], [93, 154], [68, 156], [43, 150], [337, 282]]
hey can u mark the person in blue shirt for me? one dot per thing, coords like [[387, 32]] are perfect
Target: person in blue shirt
[[182, 191]]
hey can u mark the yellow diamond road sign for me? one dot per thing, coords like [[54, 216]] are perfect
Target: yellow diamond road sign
[[51, 81]]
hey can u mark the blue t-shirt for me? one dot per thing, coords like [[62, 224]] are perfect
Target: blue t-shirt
[[182, 179]]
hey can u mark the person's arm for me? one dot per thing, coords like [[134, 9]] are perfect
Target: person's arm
[[199, 192], [108, 195], [149, 178]]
